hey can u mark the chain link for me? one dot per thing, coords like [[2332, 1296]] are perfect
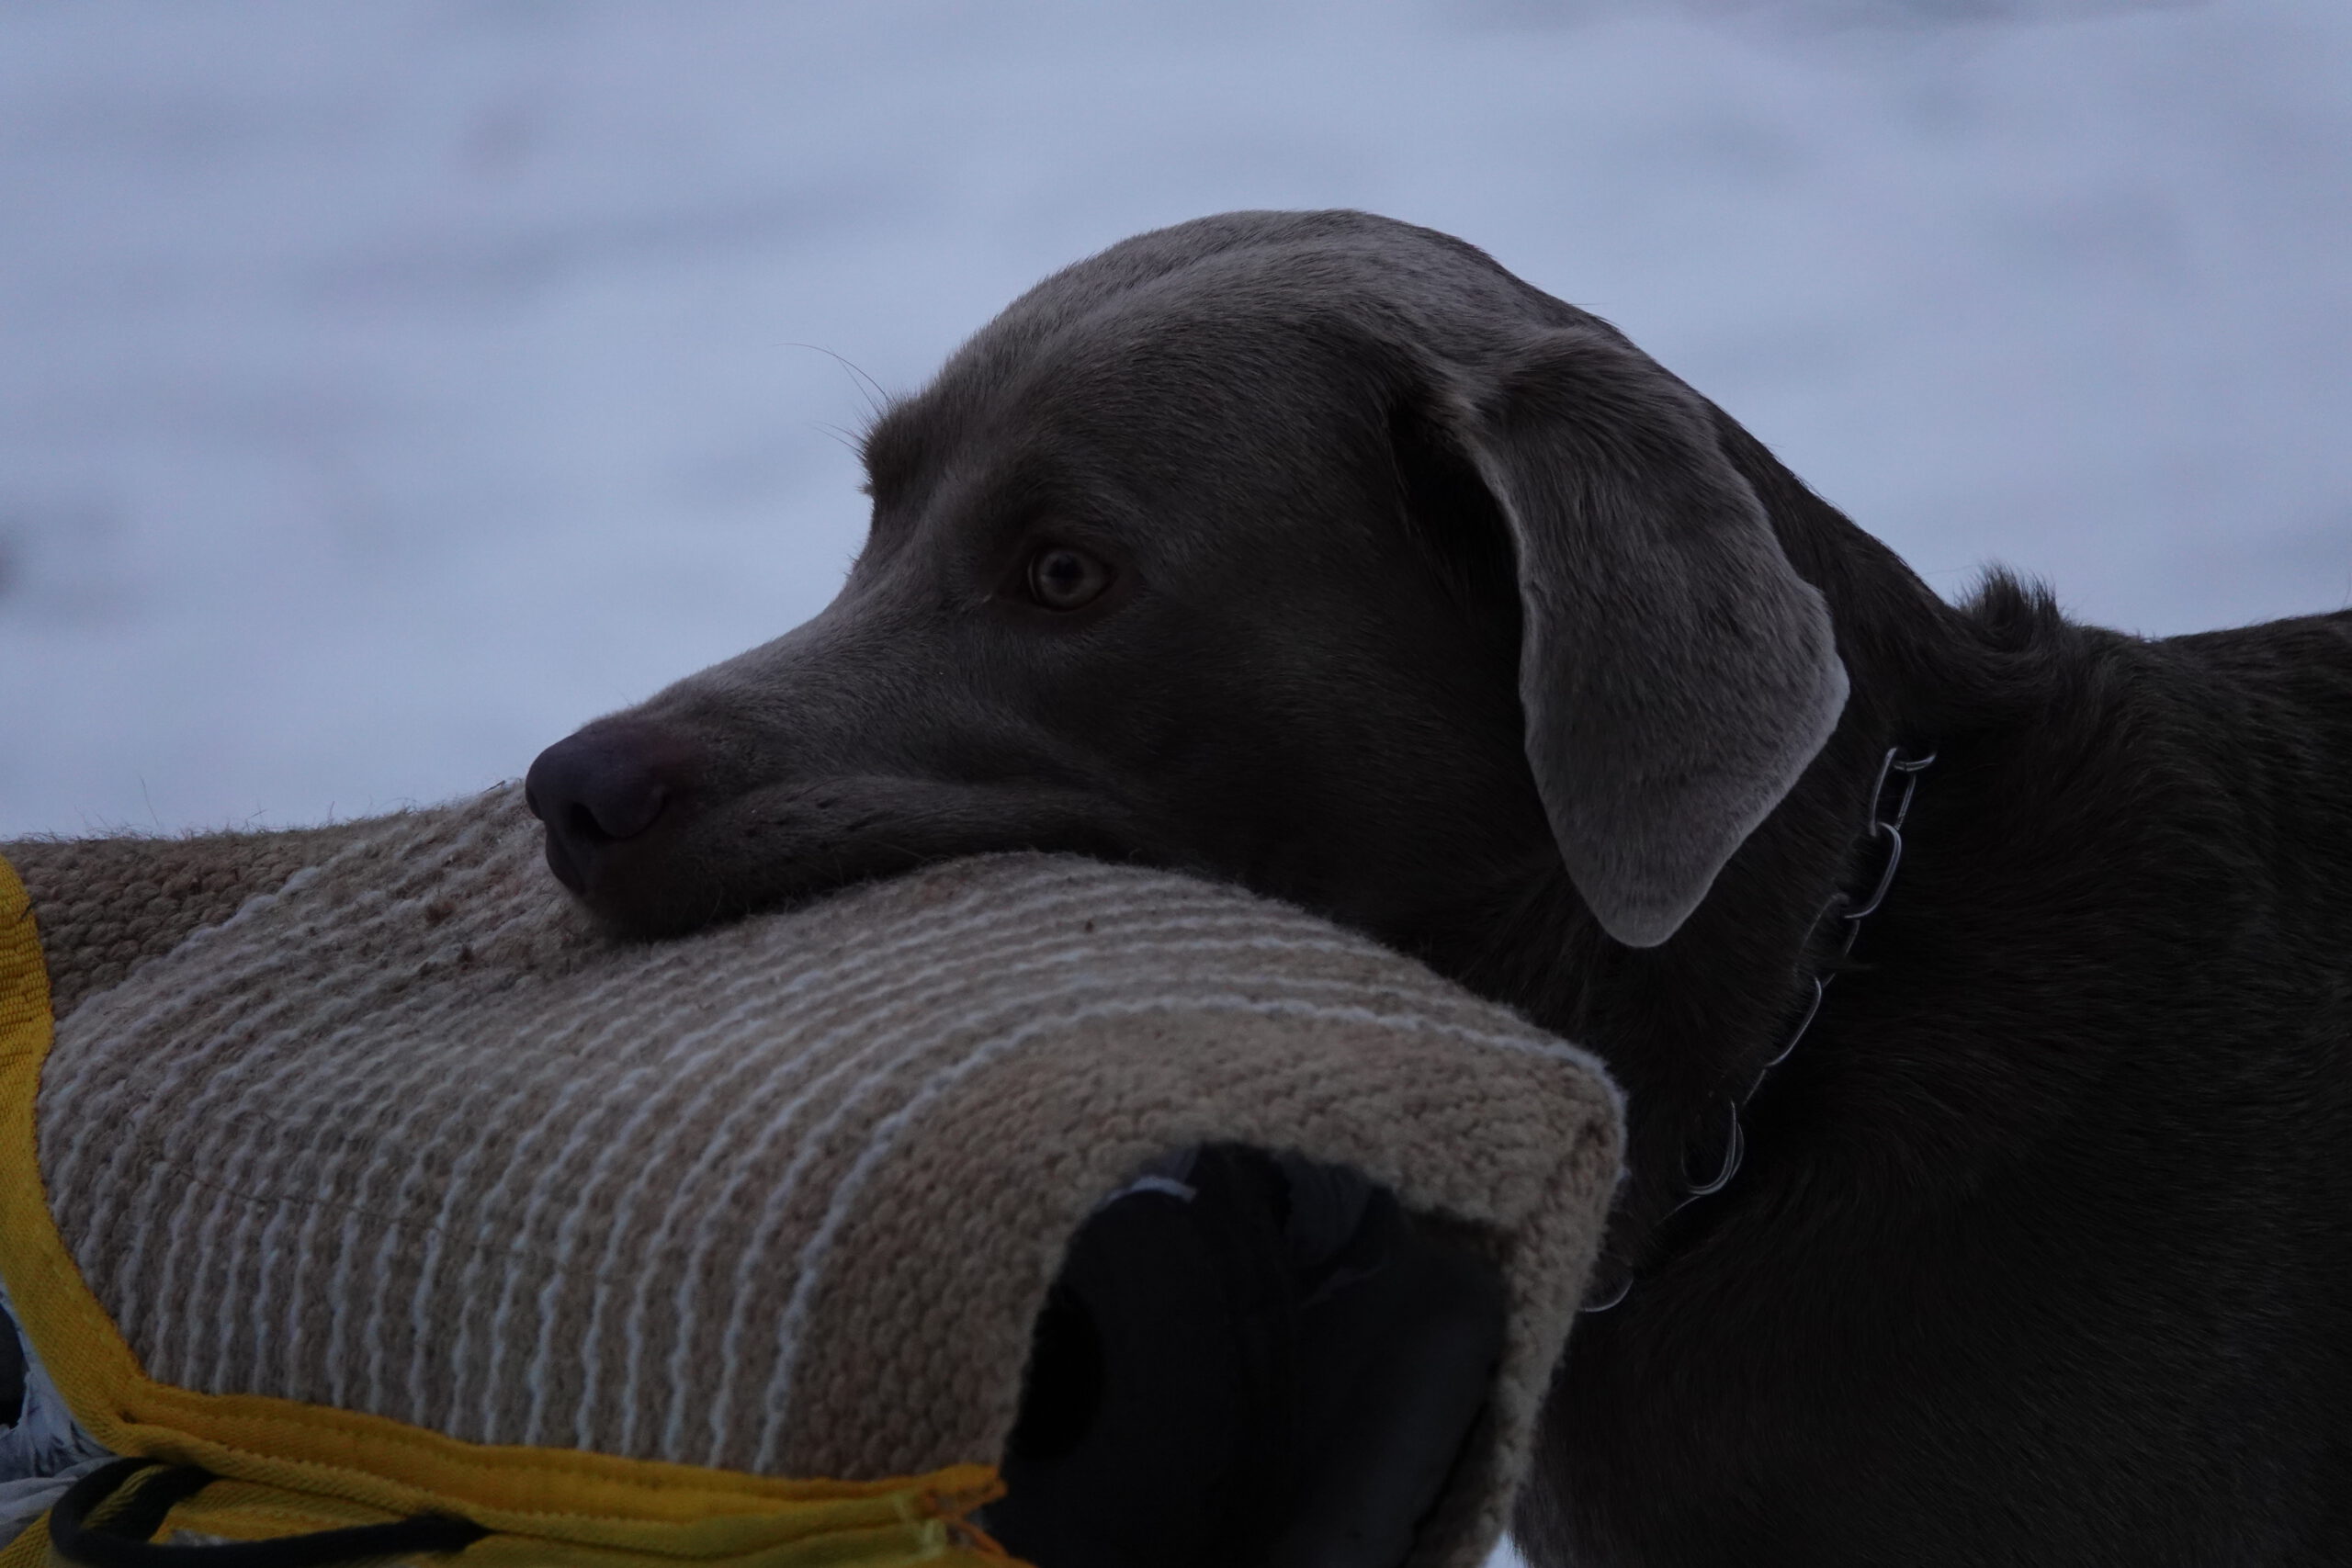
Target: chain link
[[1884, 826]]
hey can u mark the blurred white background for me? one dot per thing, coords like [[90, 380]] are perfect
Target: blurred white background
[[387, 389]]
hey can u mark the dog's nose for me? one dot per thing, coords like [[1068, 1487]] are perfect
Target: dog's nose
[[593, 789]]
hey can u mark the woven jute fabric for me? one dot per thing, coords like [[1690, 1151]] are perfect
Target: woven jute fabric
[[403, 1135], [109, 905]]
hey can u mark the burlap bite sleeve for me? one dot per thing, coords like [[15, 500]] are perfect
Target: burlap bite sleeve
[[396, 1132]]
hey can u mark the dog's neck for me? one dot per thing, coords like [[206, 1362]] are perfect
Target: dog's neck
[[1690, 1026]]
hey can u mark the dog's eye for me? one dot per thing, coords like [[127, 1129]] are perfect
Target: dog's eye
[[1064, 579]]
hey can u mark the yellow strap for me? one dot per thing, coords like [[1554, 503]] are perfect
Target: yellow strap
[[30, 1549], [290, 1467]]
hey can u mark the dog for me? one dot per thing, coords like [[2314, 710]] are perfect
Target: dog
[[1316, 551]]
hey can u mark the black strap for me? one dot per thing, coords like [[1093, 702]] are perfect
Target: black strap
[[124, 1538]]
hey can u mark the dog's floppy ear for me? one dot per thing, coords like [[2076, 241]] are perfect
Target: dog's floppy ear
[[1677, 675]]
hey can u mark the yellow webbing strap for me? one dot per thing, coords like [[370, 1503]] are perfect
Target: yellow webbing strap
[[287, 1468]]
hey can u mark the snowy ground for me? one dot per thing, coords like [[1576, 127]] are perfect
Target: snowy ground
[[389, 388]]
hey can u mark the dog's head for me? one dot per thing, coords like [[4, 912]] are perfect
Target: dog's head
[[1309, 549]]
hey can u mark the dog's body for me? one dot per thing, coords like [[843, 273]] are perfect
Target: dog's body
[[1317, 552], [2039, 1253]]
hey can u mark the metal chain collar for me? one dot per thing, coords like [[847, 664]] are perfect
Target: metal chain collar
[[1888, 827]]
